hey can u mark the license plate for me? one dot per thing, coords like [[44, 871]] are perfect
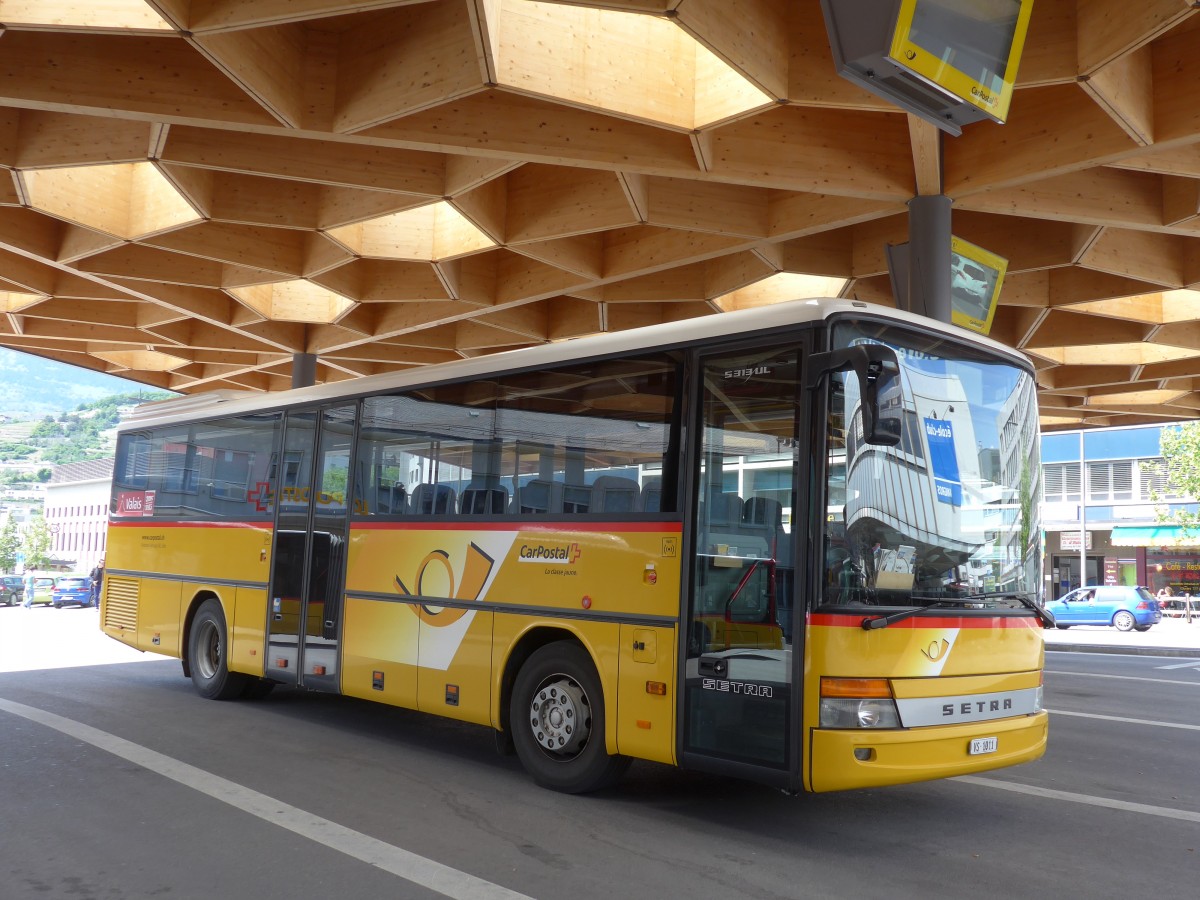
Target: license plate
[[983, 745]]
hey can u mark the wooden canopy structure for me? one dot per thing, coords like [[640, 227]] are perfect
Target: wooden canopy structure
[[198, 190]]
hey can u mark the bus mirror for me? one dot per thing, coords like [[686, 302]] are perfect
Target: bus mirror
[[879, 387]]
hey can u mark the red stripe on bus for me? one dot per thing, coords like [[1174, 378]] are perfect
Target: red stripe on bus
[[566, 525], [854, 620], [556, 526], [154, 523]]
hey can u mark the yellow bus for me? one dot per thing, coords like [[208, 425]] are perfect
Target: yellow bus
[[796, 544]]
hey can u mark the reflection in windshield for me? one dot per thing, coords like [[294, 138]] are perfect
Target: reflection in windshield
[[951, 511]]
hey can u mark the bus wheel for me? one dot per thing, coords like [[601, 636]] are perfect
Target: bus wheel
[[557, 721], [208, 653]]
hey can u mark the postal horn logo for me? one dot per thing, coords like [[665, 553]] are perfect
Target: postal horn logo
[[936, 650], [476, 568]]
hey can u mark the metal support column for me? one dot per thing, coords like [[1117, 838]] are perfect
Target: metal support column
[[929, 258], [304, 369]]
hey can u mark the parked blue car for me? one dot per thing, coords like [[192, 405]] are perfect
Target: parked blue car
[[1125, 608], [71, 589]]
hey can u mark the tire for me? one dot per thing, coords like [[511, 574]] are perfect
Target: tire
[[1061, 627], [1123, 620], [1141, 627], [557, 721], [208, 655]]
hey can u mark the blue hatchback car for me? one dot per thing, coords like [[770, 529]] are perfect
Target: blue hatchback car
[[1125, 608], [71, 589]]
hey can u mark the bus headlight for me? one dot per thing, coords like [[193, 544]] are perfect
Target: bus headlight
[[846, 712], [858, 703]]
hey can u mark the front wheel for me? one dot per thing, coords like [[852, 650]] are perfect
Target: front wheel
[[1141, 627], [208, 654], [1061, 627], [557, 721], [1123, 620]]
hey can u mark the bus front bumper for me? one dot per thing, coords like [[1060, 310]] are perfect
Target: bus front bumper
[[920, 754]]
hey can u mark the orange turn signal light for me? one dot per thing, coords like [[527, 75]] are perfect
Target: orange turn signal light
[[856, 687], [658, 688]]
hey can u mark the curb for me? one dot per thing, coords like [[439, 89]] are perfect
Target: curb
[[1128, 651]]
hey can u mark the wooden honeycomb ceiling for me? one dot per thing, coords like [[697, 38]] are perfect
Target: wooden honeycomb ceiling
[[197, 190]]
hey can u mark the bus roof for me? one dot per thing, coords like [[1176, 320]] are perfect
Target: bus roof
[[668, 334]]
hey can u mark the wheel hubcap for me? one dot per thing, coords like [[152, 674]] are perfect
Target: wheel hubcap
[[560, 716], [209, 645]]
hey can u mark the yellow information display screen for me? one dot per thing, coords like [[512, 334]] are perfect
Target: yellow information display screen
[[975, 281], [969, 48]]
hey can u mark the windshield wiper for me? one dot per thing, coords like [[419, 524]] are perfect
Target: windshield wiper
[[885, 621], [1044, 615]]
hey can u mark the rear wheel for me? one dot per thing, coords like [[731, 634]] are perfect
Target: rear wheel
[[1061, 627], [1123, 620], [1141, 627], [557, 721], [208, 654]]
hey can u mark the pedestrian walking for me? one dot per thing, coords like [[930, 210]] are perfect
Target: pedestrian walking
[[29, 587], [97, 580]]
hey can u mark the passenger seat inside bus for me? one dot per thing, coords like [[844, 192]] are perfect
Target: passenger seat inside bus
[[652, 495], [391, 500], [615, 494], [483, 501], [432, 500], [537, 496]]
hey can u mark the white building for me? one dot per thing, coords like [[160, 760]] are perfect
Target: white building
[[77, 500]]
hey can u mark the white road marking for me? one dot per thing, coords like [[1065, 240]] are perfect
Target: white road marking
[[1164, 812], [1122, 677], [1128, 721], [417, 869], [1194, 664]]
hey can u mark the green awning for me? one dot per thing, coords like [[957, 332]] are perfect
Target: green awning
[[1154, 536]]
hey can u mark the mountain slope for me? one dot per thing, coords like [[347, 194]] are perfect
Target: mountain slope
[[32, 387]]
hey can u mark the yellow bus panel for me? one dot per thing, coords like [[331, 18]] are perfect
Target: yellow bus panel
[[645, 707]]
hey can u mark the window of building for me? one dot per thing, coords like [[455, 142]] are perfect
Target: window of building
[[1110, 481], [1061, 483]]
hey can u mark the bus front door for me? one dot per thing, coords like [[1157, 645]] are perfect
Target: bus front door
[[738, 702], [308, 572]]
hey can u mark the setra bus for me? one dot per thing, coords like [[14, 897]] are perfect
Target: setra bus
[[796, 544]]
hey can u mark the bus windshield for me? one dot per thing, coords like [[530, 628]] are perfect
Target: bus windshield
[[948, 516]]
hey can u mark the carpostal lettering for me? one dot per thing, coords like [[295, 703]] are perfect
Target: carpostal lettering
[[983, 95], [977, 707], [737, 687], [563, 553]]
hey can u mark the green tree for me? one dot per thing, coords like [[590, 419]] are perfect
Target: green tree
[[10, 543], [37, 543], [1180, 447]]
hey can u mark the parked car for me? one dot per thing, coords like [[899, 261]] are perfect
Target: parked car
[[12, 590], [1125, 608], [71, 590], [42, 586]]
